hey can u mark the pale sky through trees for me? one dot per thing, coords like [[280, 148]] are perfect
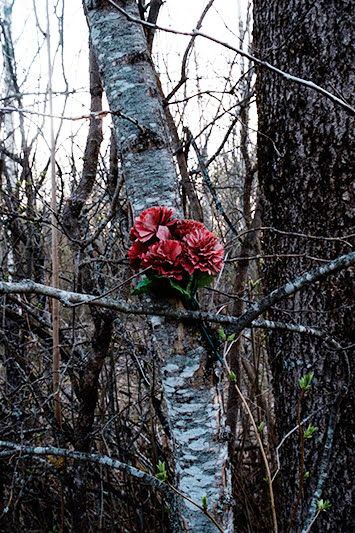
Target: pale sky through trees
[[212, 67]]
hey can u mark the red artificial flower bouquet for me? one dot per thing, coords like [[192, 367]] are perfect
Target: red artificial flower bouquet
[[182, 254]]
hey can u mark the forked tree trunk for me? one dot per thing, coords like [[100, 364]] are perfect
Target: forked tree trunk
[[194, 409], [307, 189]]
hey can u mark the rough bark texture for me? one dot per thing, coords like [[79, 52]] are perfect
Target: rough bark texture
[[130, 84], [307, 188], [197, 422], [193, 403]]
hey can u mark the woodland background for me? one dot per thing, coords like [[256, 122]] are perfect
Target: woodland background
[[115, 411]]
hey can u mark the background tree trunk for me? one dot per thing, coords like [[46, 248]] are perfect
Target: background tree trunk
[[307, 189]]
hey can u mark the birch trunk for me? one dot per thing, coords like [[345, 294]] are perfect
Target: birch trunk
[[194, 407], [9, 167]]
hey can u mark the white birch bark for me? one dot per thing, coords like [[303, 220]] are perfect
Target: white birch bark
[[130, 84], [7, 126], [194, 406]]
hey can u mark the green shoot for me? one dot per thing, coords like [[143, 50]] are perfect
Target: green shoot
[[204, 503], [323, 505], [309, 432], [162, 474], [306, 381]]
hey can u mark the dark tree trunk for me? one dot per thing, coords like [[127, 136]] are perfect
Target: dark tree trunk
[[306, 187]]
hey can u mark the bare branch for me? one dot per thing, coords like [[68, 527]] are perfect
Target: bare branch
[[87, 457], [91, 115], [207, 180], [308, 278], [297, 328], [284, 438], [246, 320], [343, 238], [183, 75], [166, 488], [154, 8], [306, 83], [55, 240]]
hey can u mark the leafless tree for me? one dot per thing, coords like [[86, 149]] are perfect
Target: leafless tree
[[163, 417]]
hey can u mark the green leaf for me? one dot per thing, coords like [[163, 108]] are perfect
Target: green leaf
[[231, 337], [162, 474], [232, 376], [310, 431], [222, 335], [323, 505], [177, 287], [306, 381], [204, 503], [261, 427], [203, 279], [143, 286], [254, 284]]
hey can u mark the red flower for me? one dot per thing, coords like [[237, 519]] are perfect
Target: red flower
[[153, 223], [183, 227], [136, 253], [203, 252], [173, 248], [164, 257]]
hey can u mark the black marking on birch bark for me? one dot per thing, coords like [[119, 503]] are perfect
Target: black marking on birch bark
[[92, 4], [146, 140], [137, 57]]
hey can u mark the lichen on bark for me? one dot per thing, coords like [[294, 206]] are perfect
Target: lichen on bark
[[144, 144]]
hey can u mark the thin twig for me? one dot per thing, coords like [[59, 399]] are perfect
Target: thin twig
[[114, 288], [258, 439], [98, 114], [208, 182], [55, 240], [289, 77]]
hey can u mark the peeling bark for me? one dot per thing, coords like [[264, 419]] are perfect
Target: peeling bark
[[193, 404], [130, 84], [197, 421]]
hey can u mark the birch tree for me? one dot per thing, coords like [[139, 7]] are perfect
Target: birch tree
[[144, 442], [194, 409]]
